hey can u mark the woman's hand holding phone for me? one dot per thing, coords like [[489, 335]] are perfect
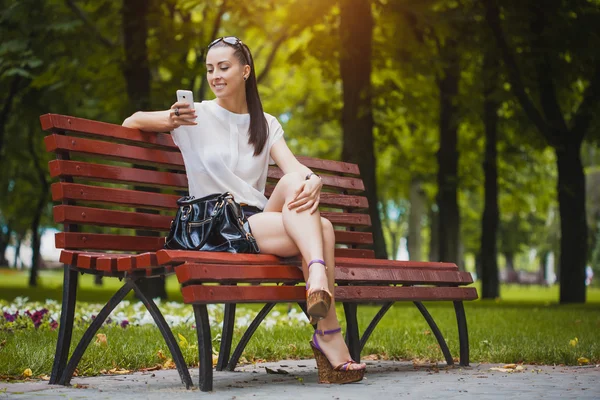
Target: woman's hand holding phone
[[183, 111]]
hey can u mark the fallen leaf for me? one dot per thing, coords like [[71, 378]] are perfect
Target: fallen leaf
[[370, 357], [426, 332], [44, 377], [80, 386], [583, 361], [573, 342], [155, 368], [101, 340], [2, 343], [169, 364], [161, 355], [510, 366], [27, 373], [215, 359]]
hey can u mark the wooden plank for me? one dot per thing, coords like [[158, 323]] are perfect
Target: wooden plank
[[102, 217], [114, 174], [347, 219], [97, 241], [329, 165], [114, 151], [340, 182], [98, 194], [124, 219], [190, 273], [440, 266], [176, 257], [358, 253], [138, 261], [60, 123], [199, 294]]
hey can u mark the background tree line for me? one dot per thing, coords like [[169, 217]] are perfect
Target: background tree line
[[473, 122]]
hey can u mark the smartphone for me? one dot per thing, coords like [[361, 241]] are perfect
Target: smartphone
[[186, 96]]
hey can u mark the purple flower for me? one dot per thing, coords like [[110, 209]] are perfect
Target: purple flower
[[53, 325], [37, 317], [10, 317], [124, 323]]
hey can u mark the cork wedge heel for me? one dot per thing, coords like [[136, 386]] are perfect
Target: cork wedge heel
[[339, 374]]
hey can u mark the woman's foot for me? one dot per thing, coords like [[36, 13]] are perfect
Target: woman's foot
[[332, 344]]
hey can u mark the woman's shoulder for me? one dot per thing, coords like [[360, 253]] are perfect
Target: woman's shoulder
[[271, 120]]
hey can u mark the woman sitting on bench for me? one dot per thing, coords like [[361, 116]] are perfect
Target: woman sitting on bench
[[227, 144]]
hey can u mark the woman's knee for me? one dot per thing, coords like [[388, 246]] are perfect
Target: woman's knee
[[328, 231], [291, 182]]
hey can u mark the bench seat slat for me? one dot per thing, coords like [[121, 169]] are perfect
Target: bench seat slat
[[100, 241], [191, 273], [199, 294]]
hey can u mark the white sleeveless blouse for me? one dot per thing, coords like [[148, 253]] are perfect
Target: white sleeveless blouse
[[218, 158]]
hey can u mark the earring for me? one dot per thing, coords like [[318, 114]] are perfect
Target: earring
[[245, 77]]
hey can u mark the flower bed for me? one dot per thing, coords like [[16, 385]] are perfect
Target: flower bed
[[21, 314]]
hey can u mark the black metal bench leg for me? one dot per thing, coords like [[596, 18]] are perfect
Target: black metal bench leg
[[436, 332], [91, 332], [367, 333], [239, 349], [352, 334], [463, 333], [226, 336], [204, 347], [65, 330], [164, 329]]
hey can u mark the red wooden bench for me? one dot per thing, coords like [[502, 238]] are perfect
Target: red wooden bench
[[101, 167]]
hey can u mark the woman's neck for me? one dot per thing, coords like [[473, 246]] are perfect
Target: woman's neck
[[234, 104]]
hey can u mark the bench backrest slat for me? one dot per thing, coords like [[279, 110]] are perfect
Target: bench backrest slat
[[113, 177]]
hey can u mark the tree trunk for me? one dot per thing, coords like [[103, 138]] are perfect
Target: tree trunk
[[447, 157], [4, 242], [417, 208], [137, 76], [573, 224], [434, 232], [36, 259], [136, 68], [356, 31], [18, 243], [490, 288]]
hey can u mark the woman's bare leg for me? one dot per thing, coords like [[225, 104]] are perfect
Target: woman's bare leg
[[302, 227], [272, 235]]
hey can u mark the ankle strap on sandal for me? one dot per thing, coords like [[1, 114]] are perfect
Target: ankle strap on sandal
[[317, 261], [329, 332]]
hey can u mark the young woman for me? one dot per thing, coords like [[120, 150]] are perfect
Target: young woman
[[227, 145]]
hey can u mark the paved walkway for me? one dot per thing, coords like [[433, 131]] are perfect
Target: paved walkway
[[384, 380]]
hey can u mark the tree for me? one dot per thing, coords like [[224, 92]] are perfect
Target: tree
[[549, 74], [356, 32]]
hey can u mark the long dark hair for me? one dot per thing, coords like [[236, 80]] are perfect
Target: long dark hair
[[258, 130]]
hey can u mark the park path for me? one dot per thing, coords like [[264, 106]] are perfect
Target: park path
[[385, 380]]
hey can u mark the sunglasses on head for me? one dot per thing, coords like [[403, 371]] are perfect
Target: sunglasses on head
[[230, 40], [233, 42]]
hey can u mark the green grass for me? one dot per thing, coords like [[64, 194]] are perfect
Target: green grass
[[525, 326]]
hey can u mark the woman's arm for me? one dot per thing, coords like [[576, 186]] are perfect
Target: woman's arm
[[162, 121], [308, 194]]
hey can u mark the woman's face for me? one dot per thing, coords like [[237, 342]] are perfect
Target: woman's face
[[224, 72]]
